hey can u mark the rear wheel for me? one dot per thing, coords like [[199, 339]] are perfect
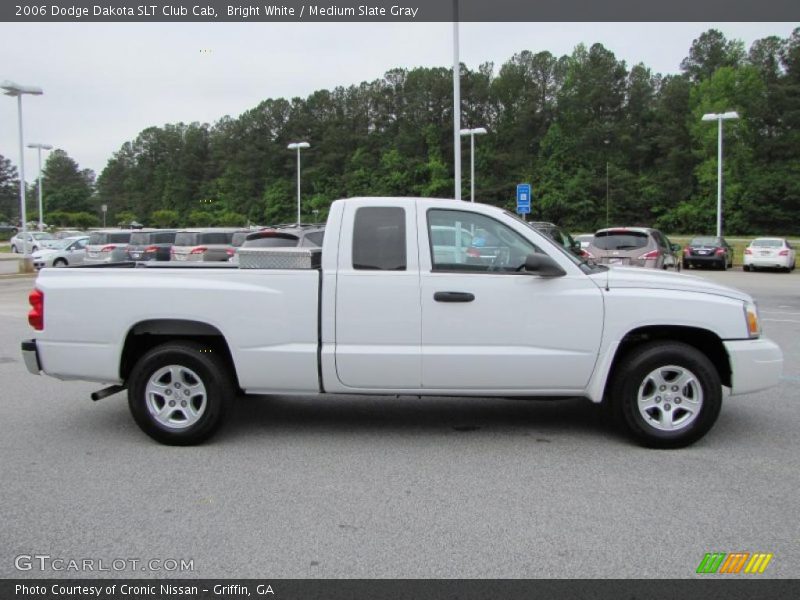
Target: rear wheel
[[59, 262], [666, 394], [745, 267], [180, 393], [14, 249]]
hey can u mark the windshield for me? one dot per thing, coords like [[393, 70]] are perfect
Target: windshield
[[140, 239], [42, 236]]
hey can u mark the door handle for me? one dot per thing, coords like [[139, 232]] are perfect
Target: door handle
[[453, 297]]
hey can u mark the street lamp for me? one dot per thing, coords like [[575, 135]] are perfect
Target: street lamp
[[472, 133], [40, 147], [298, 146], [607, 142], [719, 118], [14, 89]]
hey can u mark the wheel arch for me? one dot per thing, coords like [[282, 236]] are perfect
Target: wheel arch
[[707, 342], [148, 334]]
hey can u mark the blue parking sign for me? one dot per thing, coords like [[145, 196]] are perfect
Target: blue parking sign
[[523, 198]]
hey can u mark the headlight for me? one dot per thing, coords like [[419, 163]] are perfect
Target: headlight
[[751, 318]]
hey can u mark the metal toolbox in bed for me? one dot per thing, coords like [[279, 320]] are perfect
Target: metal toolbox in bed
[[279, 258]]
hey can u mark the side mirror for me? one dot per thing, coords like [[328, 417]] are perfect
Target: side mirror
[[576, 246], [675, 247], [543, 265]]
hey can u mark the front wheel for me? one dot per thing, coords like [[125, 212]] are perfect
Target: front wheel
[[666, 394], [180, 393], [14, 249]]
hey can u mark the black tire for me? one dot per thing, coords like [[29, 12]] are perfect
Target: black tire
[[745, 268], [723, 266], [13, 249], [686, 265], [60, 262], [192, 361], [634, 375]]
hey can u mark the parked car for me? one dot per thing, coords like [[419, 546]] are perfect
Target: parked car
[[560, 236], [635, 247], [65, 233], [770, 253], [151, 245], [209, 245], [67, 253], [306, 236], [8, 228], [36, 241], [708, 251], [107, 246], [450, 244]]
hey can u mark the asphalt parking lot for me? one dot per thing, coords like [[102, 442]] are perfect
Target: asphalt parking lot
[[372, 487]]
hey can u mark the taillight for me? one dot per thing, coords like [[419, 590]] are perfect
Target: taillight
[[36, 314], [649, 255], [719, 251], [198, 250], [108, 248], [586, 254], [230, 251], [687, 250], [151, 249], [747, 251], [473, 253], [783, 253]]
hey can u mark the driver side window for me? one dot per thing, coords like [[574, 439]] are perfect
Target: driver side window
[[471, 242]]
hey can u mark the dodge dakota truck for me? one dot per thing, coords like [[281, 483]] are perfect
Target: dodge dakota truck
[[408, 297]]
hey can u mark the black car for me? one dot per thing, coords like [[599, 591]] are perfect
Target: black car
[[558, 235], [708, 251], [151, 245]]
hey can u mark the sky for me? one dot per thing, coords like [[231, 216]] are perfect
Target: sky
[[105, 82]]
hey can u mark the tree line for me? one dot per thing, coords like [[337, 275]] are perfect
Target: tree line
[[588, 132]]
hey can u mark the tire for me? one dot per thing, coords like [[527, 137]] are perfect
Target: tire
[[686, 265], [14, 249], [723, 266], [60, 262], [644, 400], [175, 368], [745, 268]]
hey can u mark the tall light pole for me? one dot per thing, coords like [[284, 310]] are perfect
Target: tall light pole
[[472, 133], [14, 89], [40, 147], [719, 118], [456, 106], [298, 146], [607, 142]]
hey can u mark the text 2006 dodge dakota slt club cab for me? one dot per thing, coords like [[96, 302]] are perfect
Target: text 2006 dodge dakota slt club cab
[[411, 296]]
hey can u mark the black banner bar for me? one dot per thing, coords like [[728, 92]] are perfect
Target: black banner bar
[[397, 10], [735, 587]]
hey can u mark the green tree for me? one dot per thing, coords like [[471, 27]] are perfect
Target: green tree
[[9, 189], [165, 218], [65, 186]]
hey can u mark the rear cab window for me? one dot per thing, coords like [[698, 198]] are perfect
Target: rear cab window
[[379, 239], [620, 240]]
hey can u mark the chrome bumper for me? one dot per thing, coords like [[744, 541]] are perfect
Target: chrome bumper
[[31, 356]]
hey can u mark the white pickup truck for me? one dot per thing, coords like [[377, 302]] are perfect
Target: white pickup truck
[[412, 297]]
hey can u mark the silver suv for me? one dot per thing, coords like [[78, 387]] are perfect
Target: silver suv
[[212, 244], [633, 246], [107, 246]]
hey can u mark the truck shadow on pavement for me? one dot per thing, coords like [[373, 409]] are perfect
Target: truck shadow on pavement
[[256, 415]]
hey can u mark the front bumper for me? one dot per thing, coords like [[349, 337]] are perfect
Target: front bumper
[[30, 354], [755, 365]]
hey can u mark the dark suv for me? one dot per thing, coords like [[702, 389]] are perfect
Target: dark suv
[[559, 236], [151, 245]]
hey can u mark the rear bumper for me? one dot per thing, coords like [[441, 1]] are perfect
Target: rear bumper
[[706, 259], [30, 354], [766, 262], [755, 365]]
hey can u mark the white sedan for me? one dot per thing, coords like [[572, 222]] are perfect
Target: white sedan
[[36, 241], [70, 251], [769, 253]]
